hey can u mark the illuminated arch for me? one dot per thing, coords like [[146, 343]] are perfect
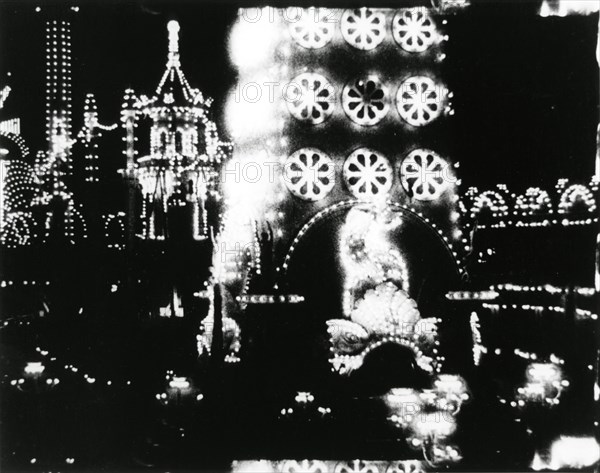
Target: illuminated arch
[[533, 201], [492, 200], [18, 140], [114, 231], [576, 193], [75, 224], [347, 204]]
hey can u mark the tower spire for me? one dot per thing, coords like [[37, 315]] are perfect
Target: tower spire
[[173, 27]]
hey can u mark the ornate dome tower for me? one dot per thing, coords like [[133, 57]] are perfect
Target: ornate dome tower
[[184, 149]]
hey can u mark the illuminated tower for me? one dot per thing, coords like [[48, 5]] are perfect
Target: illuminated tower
[[63, 219], [184, 149], [58, 101]]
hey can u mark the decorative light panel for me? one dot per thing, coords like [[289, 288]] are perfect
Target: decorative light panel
[[365, 100], [314, 98], [309, 174], [368, 174]]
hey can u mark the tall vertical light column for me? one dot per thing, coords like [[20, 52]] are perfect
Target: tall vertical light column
[[58, 98]]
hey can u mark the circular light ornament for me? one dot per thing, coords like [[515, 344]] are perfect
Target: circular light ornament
[[414, 29], [312, 99], [309, 174], [312, 29], [365, 100], [368, 174], [424, 175], [420, 100], [363, 28]]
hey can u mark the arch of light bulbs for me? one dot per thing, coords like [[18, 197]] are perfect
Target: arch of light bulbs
[[574, 194], [447, 242]]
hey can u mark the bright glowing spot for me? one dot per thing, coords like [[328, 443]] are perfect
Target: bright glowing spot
[[179, 383], [34, 368], [253, 38], [255, 108], [252, 466], [568, 453], [433, 424], [568, 7]]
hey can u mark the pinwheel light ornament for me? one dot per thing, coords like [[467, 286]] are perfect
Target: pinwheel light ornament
[[368, 174], [363, 28], [424, 175], [420, 100], [414, 30], [365, 100], [309, 174], [310, 98], [312, 28]]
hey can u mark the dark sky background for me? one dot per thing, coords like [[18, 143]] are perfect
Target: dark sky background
[[526, 88]]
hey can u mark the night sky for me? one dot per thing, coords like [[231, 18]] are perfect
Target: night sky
[[526, 88]]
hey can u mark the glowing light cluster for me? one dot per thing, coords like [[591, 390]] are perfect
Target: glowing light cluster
[[4, 93], [428, 417], [545, 383], [478, 348]]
